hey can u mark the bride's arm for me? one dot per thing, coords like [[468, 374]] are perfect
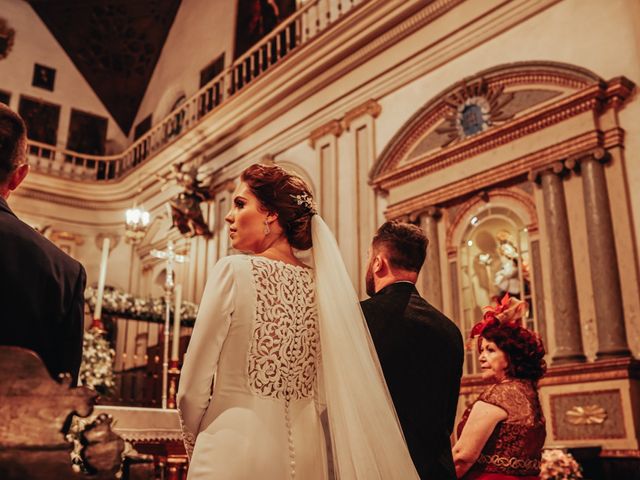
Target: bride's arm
[[201, 359]]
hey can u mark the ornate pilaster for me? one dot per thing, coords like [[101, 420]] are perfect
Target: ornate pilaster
[[612, 339], [324, 140], [565, 304], [432, 277]]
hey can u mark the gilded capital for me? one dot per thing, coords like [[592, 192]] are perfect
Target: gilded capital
[[370, 107], [555, 168], [333, 127]]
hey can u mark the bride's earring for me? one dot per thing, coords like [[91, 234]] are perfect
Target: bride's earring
[[267, 230]]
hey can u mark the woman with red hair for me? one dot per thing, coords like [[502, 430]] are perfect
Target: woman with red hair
[[500, 436]]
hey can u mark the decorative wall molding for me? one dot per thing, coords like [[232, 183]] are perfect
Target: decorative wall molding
[[592, 94], [225, 186], [370, 107], [620, 454], [566, 108], [600, 371], [519, 167], [62, 235], [551, 74], [612, 426], [334, 127], [114, 239]]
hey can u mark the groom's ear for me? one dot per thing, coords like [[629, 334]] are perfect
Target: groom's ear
[[381, 264]]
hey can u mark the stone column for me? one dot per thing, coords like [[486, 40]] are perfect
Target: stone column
[[612, 339], [565, 297], [432, 278]]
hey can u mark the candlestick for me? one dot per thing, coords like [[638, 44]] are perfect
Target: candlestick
[[97, 312], [175, 346]]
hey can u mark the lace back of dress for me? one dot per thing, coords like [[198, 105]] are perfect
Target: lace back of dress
[[285, 340]]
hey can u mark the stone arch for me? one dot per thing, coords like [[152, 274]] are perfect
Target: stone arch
[[522, 85], [513, 199]]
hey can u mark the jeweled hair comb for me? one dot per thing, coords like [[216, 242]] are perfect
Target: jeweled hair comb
[[306, 200]]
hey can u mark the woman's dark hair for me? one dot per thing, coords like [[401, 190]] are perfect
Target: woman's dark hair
[[278, 191], [523, 348]]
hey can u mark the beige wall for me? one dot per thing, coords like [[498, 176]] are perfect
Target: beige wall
[[201, 31], [33, 44]]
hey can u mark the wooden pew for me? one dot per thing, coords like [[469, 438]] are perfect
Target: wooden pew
[[35, 415]]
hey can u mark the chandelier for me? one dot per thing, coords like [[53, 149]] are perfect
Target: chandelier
[[137, 223]]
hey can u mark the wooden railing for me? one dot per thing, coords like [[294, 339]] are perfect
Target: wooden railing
[[137, 365], [303, 26]]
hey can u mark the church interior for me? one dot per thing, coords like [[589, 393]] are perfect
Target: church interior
[[509, 130]]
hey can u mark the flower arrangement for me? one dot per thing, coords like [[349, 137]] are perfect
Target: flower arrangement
[[122, 304], [96, 370], [559, 465], [75, 436]]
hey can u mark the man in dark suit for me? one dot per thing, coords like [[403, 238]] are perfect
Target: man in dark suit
[[419, 348], [42, 288]]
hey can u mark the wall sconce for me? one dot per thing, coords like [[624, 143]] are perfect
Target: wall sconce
[[137, 223]]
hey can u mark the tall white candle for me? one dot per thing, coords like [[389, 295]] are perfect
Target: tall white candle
[[176, 323], [97, 313]]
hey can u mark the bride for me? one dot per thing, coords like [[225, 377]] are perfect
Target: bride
[[288, 346]]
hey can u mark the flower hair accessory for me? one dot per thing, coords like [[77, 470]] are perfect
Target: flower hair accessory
[[306, 200], [508, 310]]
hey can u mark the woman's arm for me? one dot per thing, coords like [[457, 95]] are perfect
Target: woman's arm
[[480, 425], [201, 359]]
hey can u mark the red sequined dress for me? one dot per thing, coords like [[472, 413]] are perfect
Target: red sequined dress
[[514, 449]]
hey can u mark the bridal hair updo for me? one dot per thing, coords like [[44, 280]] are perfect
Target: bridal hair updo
[[287, 195]]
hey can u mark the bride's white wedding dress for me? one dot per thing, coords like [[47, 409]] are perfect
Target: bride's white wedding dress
[[257, 331], [285, 341]]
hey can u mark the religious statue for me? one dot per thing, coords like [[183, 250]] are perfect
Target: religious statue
[[507, 278], [185, 208]]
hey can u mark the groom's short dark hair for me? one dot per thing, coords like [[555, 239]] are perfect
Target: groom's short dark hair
[[13, 138], [405, 243]]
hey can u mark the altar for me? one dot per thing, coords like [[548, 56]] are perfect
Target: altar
[[151, 431]]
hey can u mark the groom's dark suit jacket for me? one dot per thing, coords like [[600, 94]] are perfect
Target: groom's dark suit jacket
[[41, 296], [421, 354]]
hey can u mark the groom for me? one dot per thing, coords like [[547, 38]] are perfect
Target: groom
[[41, 287], [420, 349]]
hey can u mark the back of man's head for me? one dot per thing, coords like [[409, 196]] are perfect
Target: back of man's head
[[13, 139], [405, 244]]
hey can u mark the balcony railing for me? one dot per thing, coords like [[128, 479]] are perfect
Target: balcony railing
[[309, 21]]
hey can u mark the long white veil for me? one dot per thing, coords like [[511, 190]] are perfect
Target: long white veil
[[366, 437]]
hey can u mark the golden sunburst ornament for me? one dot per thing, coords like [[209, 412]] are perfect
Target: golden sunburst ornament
[[474, 108], [7, 36], [587, 415]]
